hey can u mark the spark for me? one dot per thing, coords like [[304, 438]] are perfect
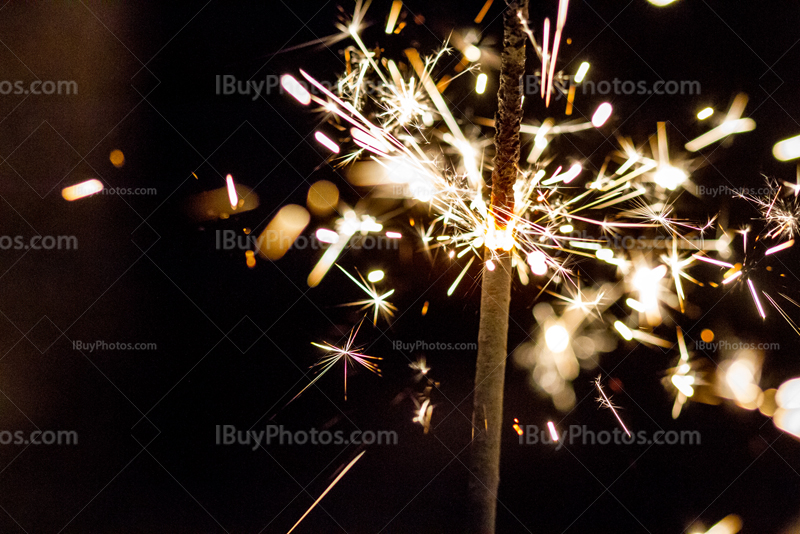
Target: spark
[[553, 432], [601, 115], [81, 190], [733, 124], [560, 22], [788, 149], [480, 83], [377, 302], [623, 330], [348, 354], [516, 427], [423, 416], [581, 74], [605, 402], [296, 89], [778, 248], [457, 281], [325, 141], [483, 11], [232, 196], [756, 299], [421, 366], [397, 5], [332, 484], [705, 113]]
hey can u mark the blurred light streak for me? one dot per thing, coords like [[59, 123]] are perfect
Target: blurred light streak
[[81, 190], [787, 149], [232, 196], [601, 115], [480, 83], [581, 74], [325, 141], [553, 432], [705, 113], [281, 232], [332, 484], [397, 5], [296, 89]]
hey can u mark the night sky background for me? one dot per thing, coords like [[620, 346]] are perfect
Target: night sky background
[[233, 343]]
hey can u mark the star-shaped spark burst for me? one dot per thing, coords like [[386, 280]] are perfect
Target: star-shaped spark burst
[[377, 302], [348, 354]]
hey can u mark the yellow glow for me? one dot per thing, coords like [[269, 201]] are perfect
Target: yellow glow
[[788, 421], [705, 113], [707, 336], [604, 254], [601, 115], [323, 197], [787, 149], [730, 525], [282, 230], [635, 304], [788, 395], [327, 236], [740, 378], [581, 74], [296, 89], [536, 260], [557, 338], [480, 84], [645, 281], [729, 127], [472, 53], [684, 384], [669, 177], [375, 276], [623, 330], [117, 158], [83, 189], [661, 3], [567, 228]]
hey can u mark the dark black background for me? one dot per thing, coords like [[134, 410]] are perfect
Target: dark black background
[[234, 343]]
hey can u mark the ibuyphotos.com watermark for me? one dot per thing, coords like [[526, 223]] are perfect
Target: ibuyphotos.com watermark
[[278, 435], [232, 240], [724, 190], [91, 346], [620, 87], [38, 242], [581, 435], [229, 85], [714, 346], [129, 191], [410, 346], [39, 437], [38, 87]]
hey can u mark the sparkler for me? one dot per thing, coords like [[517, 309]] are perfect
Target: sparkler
[[405, 143]]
